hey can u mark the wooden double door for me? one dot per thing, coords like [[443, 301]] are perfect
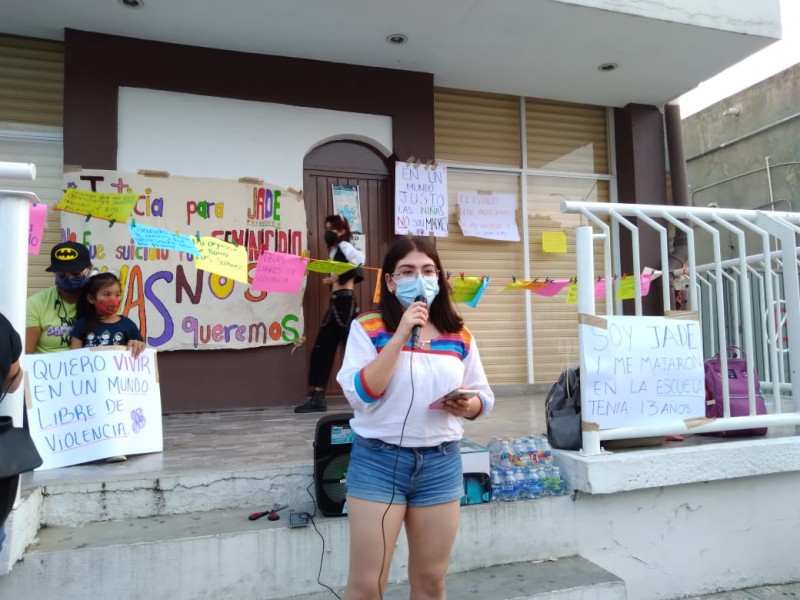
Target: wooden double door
[[352, 164]]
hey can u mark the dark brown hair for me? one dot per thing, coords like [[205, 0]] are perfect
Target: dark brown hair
[[86, 309], [442, 312], [339, 223]]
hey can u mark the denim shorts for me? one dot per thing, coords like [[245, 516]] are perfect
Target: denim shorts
[[424, 476]]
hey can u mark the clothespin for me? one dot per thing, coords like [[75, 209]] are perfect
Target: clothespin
[[410, 160], [428, 164], [462, 275], [417, 163], [133, 223], [233, 241], [513, 279], [111, 222], [447, 275], [88, 217], [434, 165]]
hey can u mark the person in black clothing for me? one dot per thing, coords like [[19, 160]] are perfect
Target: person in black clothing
[[342, 310], [10, 380]]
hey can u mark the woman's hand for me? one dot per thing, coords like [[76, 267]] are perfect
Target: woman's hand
[[331, 279], [136, 347], [467, 408], [415, 314]]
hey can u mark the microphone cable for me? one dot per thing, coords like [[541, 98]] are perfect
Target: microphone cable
[[394, 471]]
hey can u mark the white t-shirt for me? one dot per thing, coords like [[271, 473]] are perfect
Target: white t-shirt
[[421, 377]]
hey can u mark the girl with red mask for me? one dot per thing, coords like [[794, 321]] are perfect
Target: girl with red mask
[[98, 323]]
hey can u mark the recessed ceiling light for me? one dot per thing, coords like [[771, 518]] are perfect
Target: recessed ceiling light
[[397, 39], [132, 3], [607, 67]]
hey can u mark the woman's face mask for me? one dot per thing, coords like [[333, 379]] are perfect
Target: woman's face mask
[[409, 288], [71, 285], [331, 238]]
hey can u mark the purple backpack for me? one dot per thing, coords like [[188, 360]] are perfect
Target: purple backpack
[[737, 382]]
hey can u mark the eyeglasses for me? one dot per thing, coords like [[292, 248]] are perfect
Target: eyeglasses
[[427, 272]]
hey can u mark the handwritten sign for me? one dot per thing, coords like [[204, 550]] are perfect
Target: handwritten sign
[[222, 258], [491, 216], [154, 237], [420, 200], [38, 216], [277, 272], [85, 405], [111, 207], [329, 266], [641, 370], [554, 242]]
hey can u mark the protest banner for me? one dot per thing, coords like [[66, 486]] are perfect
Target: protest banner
[[89, 404], [177, 305], [641, 370]]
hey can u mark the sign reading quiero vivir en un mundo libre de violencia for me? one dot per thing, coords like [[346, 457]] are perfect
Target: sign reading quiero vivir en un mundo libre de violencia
[[88, 404], [641, 370]]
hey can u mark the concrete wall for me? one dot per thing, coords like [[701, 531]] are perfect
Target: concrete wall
[[713, 153]]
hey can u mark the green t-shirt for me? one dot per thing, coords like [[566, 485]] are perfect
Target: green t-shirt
[[55, 317]]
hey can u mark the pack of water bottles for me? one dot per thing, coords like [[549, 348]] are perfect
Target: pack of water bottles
[[522, 468]]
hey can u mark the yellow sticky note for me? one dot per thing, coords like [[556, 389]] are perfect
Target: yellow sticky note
[[626, 289], [221, 257], [554, 241], [572, 294], [111, 207], [329, 266]]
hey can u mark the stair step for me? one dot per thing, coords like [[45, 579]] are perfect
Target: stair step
[[570, 578], [221, 554]]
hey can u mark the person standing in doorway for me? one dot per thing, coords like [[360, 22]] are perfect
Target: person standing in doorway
[[51, 313], [411, 373], [341, 311]]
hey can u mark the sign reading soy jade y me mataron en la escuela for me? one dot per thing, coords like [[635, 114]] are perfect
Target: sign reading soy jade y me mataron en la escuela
[[420, 200], [89, 404], [176, 305], [641, 370]]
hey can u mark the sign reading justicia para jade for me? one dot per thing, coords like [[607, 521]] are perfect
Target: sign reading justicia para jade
[[176, 305]]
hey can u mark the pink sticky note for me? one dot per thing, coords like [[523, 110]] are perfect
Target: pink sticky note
[[38, 216], [278, 272], [646, 283]]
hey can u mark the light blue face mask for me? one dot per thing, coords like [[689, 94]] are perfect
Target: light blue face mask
[[408, 289]]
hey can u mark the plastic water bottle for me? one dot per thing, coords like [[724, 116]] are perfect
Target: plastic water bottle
[[496, 480], [541, 484], [544, 452], [509, 487], [557, 482], [506, 454], [532, 484], [521, 452], [494, 452]]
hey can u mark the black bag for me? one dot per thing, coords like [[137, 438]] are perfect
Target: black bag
[[563, 411], [18, 453]]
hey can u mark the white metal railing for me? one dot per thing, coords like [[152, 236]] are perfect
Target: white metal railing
[[751, 301]]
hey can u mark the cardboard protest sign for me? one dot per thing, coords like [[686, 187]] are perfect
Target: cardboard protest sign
[[641, 370], [88, 404], [178, 303]]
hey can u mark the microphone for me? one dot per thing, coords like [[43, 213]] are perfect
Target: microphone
[[416, 328]]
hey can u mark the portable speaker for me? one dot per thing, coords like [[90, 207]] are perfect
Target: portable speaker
[[332, 444]]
